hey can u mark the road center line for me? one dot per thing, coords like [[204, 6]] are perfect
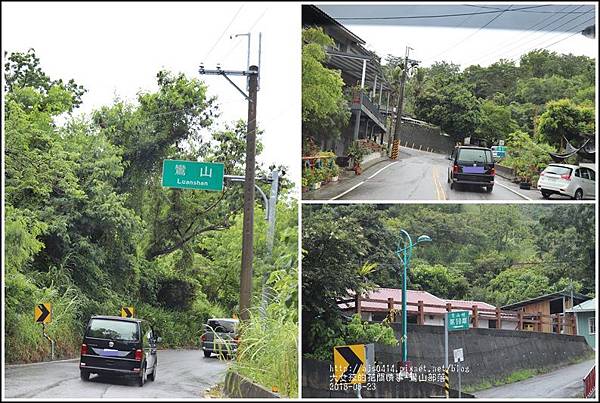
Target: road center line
[[389, 165], [347, 191], [514, 191]]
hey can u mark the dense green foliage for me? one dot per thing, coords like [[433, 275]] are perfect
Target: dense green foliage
[[324, 108], [89, 228], [547, 96], [499, 254]]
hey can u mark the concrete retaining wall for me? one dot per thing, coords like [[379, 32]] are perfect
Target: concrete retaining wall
[[490, 354], [426, 137], [505, 172], [237, 386], [316, 376]]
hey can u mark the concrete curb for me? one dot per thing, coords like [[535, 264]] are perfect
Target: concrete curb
[[39, 363], [237, 386]]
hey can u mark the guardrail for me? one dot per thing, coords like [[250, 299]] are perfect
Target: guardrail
[[524, 321], [589, 383]]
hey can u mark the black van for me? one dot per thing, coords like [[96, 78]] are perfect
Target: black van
[[119, 346], [472, 166]]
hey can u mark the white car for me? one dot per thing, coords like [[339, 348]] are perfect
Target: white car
[[569, 180]]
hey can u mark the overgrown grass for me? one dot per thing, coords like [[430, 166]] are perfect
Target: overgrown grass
[[268, 354], [268, 350]]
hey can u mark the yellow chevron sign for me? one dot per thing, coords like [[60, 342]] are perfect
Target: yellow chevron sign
[[349, 364], [127, 312], [42, 313]]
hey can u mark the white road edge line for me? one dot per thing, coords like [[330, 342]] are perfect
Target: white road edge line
[[347, 191], [388, 165], [514, 191]]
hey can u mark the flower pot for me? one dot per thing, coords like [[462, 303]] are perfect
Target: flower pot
[[316, 185], [304, 189], [335, 178]]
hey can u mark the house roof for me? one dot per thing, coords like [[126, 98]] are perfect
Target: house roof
[[587, 306], [412, 296], [576, 296], [350, 62]]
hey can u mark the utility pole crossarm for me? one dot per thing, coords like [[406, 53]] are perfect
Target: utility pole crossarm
[[226, 73]]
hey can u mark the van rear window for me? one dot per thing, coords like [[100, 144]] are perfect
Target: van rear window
[[471, 155], [113, 330], [221, 326]]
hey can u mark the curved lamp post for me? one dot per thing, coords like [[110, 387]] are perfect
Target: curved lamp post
[[404, 248]]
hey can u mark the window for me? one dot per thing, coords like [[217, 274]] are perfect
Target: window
[[578, 173], [592, 174], [558, 170], [473, 155], [113, 329], [592, 325], [584, 173]]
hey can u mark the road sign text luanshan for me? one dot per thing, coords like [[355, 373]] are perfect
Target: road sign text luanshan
[[192, 175]]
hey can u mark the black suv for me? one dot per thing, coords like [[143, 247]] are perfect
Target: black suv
[[119, 346], [472, 166]]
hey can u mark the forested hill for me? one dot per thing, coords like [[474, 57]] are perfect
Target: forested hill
[[493, 253], [89, 228]]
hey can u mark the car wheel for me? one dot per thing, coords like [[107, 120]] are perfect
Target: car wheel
[[85, 375], [452, 186], [489, 188], [578, 195], [152, 376], [142, 378], [207, 354], [545, 195]]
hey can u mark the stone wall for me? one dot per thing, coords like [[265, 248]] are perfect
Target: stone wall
[[425, 136]]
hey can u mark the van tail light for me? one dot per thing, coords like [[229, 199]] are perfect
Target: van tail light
[[138, 355], [566, 177], [455, 169], [84, 349], [493, 171], [203, 338]]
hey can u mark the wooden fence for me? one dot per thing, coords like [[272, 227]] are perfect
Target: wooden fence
[[527, 321]]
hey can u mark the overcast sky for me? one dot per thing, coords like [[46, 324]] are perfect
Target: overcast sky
[[463, 39], [117, 49]]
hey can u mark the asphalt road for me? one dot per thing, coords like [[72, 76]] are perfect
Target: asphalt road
[[180, 374], [417, 175], [565, 382]]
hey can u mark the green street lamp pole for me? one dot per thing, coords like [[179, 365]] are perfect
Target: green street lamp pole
[[404, 254]]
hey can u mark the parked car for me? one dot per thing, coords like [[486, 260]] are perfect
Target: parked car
[[471, 166], [119, 346], [220, 337], [569, 180]]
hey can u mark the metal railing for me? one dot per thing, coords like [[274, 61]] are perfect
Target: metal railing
[[589, 383]]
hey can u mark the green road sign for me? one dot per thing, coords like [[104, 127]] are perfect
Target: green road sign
[[192, 175], [458, 320]]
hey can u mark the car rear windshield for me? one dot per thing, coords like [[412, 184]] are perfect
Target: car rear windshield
[[557, 170], [221, 326], [471, 155], [113, 329]]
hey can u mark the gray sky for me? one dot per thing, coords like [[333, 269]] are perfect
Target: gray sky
[[117, 49], [462, 39]]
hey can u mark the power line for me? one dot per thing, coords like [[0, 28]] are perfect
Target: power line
[[508, 52], [474, 33], [429, 16], [554, 43], [498, 48], [223, 33], [225, 57], [560, 33], [528, 11]]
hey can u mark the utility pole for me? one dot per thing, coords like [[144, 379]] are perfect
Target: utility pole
[[248, 226], [252, 74], [395, 144]]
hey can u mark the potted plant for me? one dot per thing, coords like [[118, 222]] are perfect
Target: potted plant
[[356, 153], [335, 172]]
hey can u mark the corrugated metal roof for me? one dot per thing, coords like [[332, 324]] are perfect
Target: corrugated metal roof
[[587, 306]]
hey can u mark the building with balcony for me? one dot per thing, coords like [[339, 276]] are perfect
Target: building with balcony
[[367, 91]]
